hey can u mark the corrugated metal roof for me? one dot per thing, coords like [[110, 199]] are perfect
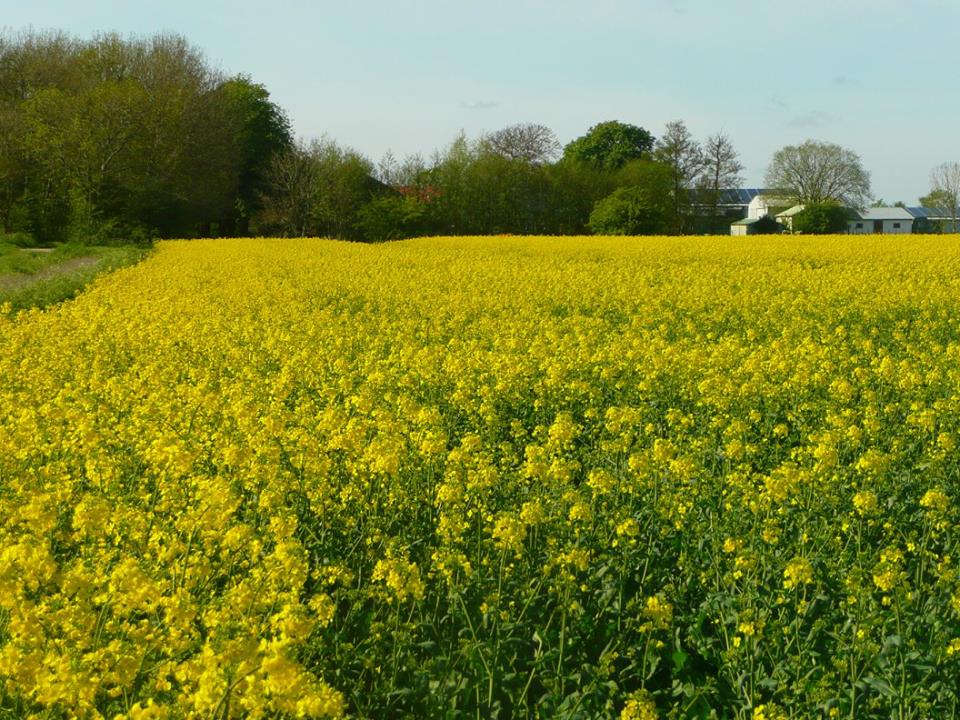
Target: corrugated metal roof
[[885, 213]]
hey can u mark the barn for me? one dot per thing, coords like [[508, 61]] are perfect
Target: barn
[[881, 220]]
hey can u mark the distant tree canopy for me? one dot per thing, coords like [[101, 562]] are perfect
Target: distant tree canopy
[[114, 137], [610, 145], [318, 189]]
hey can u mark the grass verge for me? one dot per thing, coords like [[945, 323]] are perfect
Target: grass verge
[[32, 279]]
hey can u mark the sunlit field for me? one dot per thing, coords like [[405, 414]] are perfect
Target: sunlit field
[[488, 477]]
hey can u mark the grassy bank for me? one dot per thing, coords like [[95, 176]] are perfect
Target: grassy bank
[[30, 278]]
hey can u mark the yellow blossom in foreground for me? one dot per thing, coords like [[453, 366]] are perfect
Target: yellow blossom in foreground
[[639, 707], [799, 571], [303, 478], [769, 711]]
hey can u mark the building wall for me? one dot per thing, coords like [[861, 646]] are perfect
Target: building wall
[[760, 205], [906, 227], [757, 208]]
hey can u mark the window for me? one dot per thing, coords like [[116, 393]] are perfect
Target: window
[[859, 226], [896, 226]]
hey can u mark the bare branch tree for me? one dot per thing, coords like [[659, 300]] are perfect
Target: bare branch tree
[[945, 179], [721, 167], [682, 154], [293, 176], [818, 172], [400, 173], [525, 141]]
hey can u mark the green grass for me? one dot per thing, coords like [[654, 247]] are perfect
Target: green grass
[[41, 279]]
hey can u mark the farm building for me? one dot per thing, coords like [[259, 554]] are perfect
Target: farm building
[[731, 202], [756, 226], [740, 202], [934, 220], [881, 220], [766, 204], [785, 217], [754, 204]]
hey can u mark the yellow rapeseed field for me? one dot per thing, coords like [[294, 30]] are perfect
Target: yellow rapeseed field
[[488, 477]]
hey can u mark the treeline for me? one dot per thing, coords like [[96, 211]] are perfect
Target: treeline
[[615, 179], [113, 139]]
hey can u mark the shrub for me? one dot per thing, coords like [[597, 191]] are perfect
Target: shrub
[[821, 219], [627, 211]]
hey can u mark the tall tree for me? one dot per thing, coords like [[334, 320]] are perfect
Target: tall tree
[[610, 145], [819, 172], [721, 169], [678, 151], [262, 132], [945, 180]]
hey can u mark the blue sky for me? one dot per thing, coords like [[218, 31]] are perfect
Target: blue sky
[[876, 76]]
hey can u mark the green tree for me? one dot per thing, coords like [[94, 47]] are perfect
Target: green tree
[[113, 137], [262, 132], [610, 145], [821, 219], [345, 184], [572, 191], [391, 217], [629, 211], [319, 189], [936, 200]]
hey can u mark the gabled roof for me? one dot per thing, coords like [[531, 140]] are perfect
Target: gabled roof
[[790, 212], [884, 213]]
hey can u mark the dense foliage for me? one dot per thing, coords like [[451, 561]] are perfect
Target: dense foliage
[[111, 140], [610, 145], [629, 211], [105, 140], [821, 219], [464, 478]]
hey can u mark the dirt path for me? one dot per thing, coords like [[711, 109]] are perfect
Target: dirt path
[[16, 281]]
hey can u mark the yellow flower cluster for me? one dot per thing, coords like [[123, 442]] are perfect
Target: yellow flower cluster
[[639, 707], [798, 572], [490, 476]]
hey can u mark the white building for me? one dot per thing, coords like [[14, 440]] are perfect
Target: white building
[[762, 205], [882, 220], [785, 218]]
